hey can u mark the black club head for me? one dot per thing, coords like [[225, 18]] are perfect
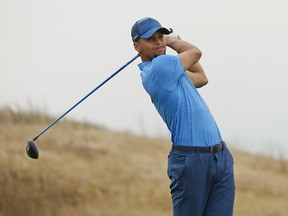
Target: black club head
[[32, 149]]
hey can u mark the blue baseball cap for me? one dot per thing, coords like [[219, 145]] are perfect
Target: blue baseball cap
[[145, 28]]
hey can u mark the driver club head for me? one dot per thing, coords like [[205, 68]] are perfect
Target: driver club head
[[32, 149]]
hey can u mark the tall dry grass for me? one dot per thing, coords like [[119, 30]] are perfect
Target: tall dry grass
[[87, 170]]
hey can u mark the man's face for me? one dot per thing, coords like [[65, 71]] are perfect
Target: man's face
[[151, 47]]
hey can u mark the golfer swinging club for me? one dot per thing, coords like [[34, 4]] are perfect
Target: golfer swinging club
[[200, 165]]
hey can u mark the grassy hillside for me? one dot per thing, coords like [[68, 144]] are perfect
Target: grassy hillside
[[87, 170]]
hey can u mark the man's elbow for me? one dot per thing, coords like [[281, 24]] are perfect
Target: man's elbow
[[198, 54], [202, 82], [205, 81]]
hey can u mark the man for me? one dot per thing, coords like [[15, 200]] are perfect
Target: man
[[200, 165]]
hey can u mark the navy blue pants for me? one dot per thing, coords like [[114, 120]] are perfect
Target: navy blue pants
[[202, 184]]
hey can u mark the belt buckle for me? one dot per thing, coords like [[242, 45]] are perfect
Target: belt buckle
[[218, 148]]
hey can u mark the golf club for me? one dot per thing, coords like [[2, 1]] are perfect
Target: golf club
[[32, 147]]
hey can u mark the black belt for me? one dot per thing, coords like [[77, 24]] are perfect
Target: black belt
[[200, 149]]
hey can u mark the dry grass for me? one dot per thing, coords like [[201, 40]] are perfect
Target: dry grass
[[87, 170]]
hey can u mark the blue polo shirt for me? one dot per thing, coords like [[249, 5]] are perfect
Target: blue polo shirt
[[178, 102]]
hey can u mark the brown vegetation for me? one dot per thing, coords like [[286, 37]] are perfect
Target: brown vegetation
[[87, 170]]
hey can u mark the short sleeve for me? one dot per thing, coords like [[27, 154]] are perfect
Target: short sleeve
[[167, 70]]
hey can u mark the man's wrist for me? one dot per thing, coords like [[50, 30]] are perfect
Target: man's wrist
[[169, 39]]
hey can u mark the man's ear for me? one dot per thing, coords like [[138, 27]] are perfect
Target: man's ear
[[137, 46]]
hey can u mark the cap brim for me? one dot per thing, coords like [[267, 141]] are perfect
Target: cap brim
[[152, 31]]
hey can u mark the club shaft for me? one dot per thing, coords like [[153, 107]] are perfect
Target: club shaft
[[86, 96]]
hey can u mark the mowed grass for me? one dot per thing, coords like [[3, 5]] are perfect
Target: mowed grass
[[88, 170]]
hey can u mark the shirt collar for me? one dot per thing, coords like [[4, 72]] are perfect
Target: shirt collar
[[143, 64]]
